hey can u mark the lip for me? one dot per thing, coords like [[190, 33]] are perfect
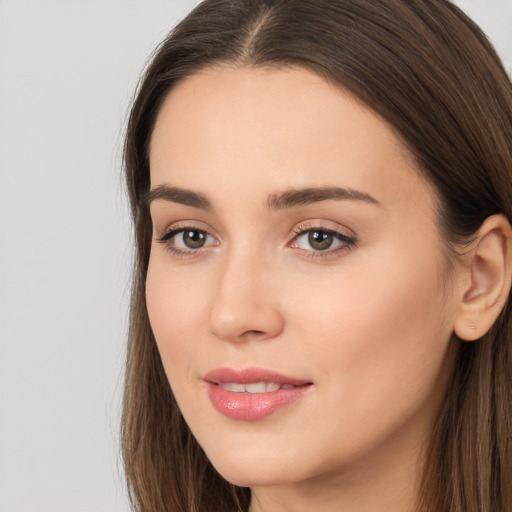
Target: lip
[[252, 406]]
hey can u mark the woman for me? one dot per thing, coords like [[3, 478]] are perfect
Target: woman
[[321, 193]]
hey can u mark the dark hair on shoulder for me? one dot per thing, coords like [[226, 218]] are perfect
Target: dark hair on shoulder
[[430, 72]]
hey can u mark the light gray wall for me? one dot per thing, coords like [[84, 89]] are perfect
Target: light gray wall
[[68, 69], [67, 72]]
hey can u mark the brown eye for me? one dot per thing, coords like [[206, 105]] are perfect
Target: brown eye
[[187, 239], [193, 238], [320, 240]]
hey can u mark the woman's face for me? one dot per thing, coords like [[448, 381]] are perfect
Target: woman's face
[[297, 287]]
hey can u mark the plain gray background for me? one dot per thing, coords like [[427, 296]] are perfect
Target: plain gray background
[[68, 69]]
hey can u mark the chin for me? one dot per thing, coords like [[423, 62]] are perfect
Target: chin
[[250, 477], [245, 471]]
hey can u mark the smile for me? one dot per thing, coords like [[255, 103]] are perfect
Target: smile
[[252, 394]]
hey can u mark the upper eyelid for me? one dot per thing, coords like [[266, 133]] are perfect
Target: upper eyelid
[[340, 235], [323, 225], [324, 230], [183, 225]]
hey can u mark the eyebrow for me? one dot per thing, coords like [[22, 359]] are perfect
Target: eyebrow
[[304, 196], [277, 201], [177, 195]]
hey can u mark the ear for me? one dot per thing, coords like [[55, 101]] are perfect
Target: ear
[[486, 279]]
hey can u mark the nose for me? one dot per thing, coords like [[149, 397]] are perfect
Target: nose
[[245, 306]]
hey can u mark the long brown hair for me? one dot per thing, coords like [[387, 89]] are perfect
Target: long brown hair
[[430, 72]]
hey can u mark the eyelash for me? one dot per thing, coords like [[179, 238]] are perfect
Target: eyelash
[[347, 244], [167, 238]]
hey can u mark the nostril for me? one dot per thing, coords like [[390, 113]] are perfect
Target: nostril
[[244, 320], [252, 334]]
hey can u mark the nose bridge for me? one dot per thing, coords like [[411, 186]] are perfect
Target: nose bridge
[[243, 305]]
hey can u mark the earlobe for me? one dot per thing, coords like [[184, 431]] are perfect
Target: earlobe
[[489, 263]]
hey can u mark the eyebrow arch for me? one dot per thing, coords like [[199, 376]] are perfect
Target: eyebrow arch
[[304, 196], [176, 195]]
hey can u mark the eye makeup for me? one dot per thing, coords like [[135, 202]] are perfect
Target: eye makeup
[[313, 239], [317, 241]]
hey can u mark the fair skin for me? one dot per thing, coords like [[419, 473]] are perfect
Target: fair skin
[[366, 317]]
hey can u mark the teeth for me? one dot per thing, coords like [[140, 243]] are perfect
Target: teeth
[[236, 388], [254, 387]]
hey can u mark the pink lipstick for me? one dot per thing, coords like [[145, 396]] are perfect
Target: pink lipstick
[[253, 393]]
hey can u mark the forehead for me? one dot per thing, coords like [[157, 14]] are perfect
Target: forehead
[[275, 128]]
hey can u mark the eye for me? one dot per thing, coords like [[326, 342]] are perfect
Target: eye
[[320, 240], [190, 239], [187, 239]]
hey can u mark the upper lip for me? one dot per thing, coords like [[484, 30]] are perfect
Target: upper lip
[[251, 375]]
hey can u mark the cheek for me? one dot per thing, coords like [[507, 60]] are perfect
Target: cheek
[[173, 305], [377, 342], [372, 297], [378, 330]]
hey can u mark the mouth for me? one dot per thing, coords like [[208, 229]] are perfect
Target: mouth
[[254, 387], [253, 393]]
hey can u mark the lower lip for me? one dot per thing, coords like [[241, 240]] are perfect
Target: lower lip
[[253, 406]]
